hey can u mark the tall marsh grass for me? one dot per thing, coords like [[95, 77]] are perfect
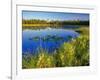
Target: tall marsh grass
[[74, 53]]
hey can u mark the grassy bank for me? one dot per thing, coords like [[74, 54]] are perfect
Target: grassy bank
[[40, 26], [34, 23]]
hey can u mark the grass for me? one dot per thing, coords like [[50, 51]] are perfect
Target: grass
[[84, 30], [74, 53], [40, 26]]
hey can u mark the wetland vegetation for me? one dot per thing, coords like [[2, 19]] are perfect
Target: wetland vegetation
[[55, 43]]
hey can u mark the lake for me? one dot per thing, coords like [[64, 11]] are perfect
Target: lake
[[49, 39]]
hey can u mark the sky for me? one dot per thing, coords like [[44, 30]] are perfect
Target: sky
[[54, 15]]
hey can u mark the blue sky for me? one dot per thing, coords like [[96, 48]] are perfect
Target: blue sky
[[54, 15]]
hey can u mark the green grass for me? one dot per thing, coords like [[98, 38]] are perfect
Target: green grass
[[74, 53], [84, 30]]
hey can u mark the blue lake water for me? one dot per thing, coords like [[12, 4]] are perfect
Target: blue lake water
[[48, 39]]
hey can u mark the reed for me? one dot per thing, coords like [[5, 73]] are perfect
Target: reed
[[74, 53]]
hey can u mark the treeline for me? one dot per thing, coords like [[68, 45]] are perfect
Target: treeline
[[37, 21]]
